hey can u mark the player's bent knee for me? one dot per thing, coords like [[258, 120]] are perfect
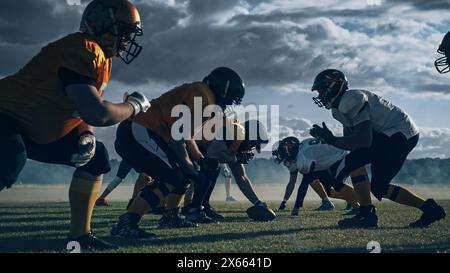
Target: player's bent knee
[[99, 164], [149, 194]]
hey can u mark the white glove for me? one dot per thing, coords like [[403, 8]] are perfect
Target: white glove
[[138, 101], [86, 150]]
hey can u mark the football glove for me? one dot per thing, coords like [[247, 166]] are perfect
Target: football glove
[[244, 158], [86, 149], [282, 205], [138, 101], [323, 133]]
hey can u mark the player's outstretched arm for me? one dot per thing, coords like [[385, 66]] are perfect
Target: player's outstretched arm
[[100, 113], [243, 182]]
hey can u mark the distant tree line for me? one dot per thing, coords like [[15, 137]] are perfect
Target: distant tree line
[[260, 170]]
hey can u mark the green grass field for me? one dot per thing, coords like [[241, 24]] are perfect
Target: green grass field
[[42, 227]]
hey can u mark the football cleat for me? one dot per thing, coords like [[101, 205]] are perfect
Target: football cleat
[[211, 213], [366, 218], [171, 219], [282, 206], [198, 217], [351, 212], [91, 242], [326, 206], [102, 202], [295, 211], [230, 199], [432, 212], [127, 227]]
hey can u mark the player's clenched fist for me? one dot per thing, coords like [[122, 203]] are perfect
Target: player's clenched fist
[[138, 101]]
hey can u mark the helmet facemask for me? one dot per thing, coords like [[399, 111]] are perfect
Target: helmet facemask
[[128, 48], [442, 64], [329, 91]]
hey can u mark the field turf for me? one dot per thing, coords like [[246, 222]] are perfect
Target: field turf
[[42, 227]]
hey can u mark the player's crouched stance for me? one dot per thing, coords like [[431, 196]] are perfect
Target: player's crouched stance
[[48, 109], [376, 132], [147, 144], [316, 161]]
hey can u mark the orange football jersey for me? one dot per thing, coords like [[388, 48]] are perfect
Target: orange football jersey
[[158, 118], [35, 97]]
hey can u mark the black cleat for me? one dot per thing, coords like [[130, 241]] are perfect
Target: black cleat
[[198, 217], [211, 213], [127, 227], [295, 211], [351, 212], [171, 219], [282, 206], [89, 242], [325, 206], [366, 218], [432, 212]]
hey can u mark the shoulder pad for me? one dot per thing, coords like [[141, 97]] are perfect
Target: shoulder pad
[[352, 102]]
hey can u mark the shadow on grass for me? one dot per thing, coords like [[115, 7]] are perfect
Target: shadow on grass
[[411, 248]]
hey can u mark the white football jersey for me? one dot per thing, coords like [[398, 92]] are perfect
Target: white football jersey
[[357, 106], [313, 152]]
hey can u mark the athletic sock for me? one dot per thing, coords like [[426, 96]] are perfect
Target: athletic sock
[[82, 196]]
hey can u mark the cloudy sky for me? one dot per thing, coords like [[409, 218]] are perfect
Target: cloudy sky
[[278, 46]]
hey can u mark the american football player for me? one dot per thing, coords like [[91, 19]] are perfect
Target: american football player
[[317, 162], [233, 145], [147, 144], [49, 107], [376, 132], [226, 173], [442, 64]]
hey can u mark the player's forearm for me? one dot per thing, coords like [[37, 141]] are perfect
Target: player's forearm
[[290, 187], [246, 188], [179, 148], [109, 113]]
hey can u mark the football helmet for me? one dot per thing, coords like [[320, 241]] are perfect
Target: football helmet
[[255, 136], [227, 86], [442, 64], [287, 150], [118, 17], [329, 84]]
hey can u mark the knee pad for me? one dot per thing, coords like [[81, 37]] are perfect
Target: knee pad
[[99, 164], [379, 190]]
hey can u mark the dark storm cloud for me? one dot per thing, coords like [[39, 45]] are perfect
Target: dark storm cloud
[[278, 46], [424, 4]]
